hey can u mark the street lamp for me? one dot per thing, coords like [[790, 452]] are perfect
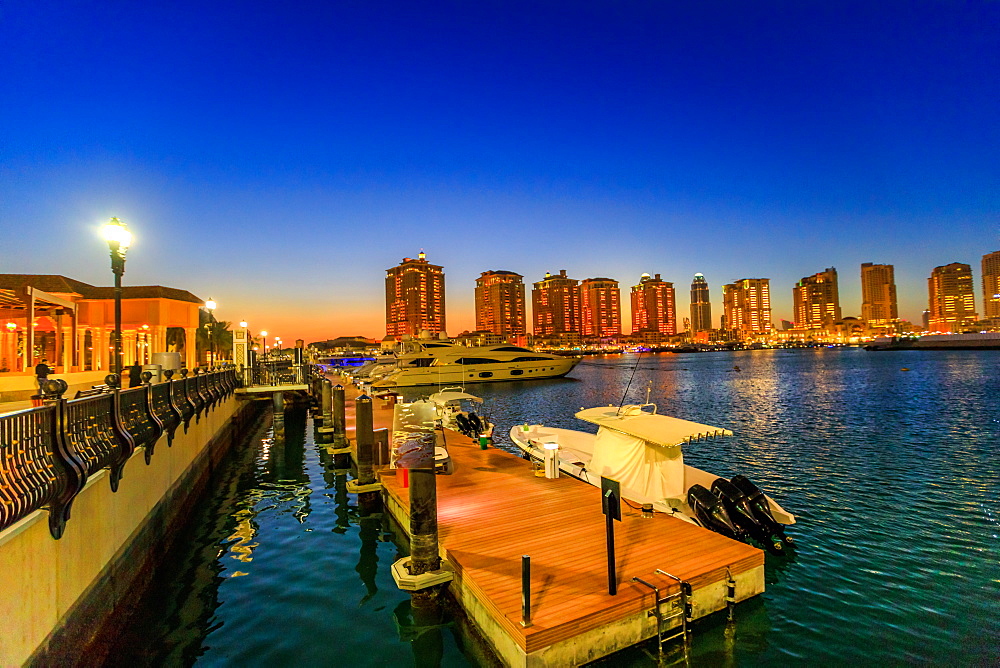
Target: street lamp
[[210, 306], [119, 239]]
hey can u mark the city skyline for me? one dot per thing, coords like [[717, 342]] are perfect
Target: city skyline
[[279, 159]]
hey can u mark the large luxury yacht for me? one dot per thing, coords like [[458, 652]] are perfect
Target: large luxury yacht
[[438, 362]]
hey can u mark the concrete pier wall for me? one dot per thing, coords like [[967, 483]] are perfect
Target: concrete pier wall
[[54, 594]]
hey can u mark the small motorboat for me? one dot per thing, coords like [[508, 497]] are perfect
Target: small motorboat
[[453, 415], [643, 451]]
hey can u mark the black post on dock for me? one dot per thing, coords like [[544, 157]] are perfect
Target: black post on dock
[[339, 417], [525, 591]]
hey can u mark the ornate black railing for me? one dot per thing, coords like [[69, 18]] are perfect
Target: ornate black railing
[[47, 453]]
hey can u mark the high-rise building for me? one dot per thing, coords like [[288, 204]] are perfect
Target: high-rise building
[[817, 300], [952, 301], [747, 306], [414, 297], [500, 304], [555, 305], [991, 285], [701, 305], [653, 306], [878, 295], [600, 308]]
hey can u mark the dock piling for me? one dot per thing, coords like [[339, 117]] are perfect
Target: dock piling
[[278, 413], [326, 400], [339, 417], [365, 438]]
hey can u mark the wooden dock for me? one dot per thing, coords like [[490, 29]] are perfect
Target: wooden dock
[[493, 510]]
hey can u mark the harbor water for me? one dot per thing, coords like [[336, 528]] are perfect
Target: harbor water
[[890, 462]]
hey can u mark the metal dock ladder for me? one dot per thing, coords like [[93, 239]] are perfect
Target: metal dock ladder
[[678, 607]]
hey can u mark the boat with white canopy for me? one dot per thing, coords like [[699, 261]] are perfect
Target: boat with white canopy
[[643, 451]]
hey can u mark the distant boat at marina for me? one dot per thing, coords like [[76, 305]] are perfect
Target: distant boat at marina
[[445, 363], [974, 341]]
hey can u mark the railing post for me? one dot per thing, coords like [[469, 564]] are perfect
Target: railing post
[[339, 417], [74, 469], [525, 590], [365, 439]]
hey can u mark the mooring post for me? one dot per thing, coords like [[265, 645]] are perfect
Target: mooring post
[[424, 554], [278, 413], [339, 417], [381, 447], [326, 401], [365, 439]]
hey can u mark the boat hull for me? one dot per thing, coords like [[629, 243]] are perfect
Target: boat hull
[[451, 374]]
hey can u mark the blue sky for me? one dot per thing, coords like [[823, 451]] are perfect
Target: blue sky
[[280, 158]]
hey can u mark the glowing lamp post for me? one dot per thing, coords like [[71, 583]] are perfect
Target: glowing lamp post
[[119, 239], [11, 328], [210, 306], [263, 335]]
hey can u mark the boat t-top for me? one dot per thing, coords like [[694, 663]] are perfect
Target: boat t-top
[[643, 451]]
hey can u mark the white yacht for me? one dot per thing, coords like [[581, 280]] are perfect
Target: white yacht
[[442, 363], [643, 452]]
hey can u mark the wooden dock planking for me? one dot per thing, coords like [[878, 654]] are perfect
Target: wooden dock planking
[[493, 510]]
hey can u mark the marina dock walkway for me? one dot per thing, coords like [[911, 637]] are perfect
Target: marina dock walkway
[[493, 510]]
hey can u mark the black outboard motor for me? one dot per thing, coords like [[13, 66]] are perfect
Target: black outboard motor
[[740, 512], [476, 424], [463, 424], [711, 512], [761, 510]]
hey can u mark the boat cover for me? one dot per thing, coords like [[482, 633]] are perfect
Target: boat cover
[[446, 396], [646, 474], [654, 429]]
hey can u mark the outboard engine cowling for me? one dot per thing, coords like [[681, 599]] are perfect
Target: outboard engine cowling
[[761, 510], [711, 512], [463, 424], [739, 509], [476, 424]]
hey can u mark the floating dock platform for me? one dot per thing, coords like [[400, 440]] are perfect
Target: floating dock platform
[[493, 509]]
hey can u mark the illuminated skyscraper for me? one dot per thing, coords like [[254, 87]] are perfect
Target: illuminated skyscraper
[[414, 297], [701, 305], [817, 300], [746, 304], [878, 295], [952, 302], [991, 285], [653, 308], [500, 304], [555, 305], [600, 308]]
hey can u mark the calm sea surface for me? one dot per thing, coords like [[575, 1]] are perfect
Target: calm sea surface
[[893, 474]]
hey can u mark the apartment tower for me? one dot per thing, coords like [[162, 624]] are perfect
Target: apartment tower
[[555, 305], [414, 297], [701, 305], [878, 295], [600, 308], [746, 306], [952, 301], [816, 300], [653, 306], [991, 286], [500, 304]]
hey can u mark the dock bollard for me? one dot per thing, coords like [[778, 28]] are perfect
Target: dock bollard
[[424, 554], [339, 417], [326, 400], [381, 447], [365, 439], [525, 591]]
